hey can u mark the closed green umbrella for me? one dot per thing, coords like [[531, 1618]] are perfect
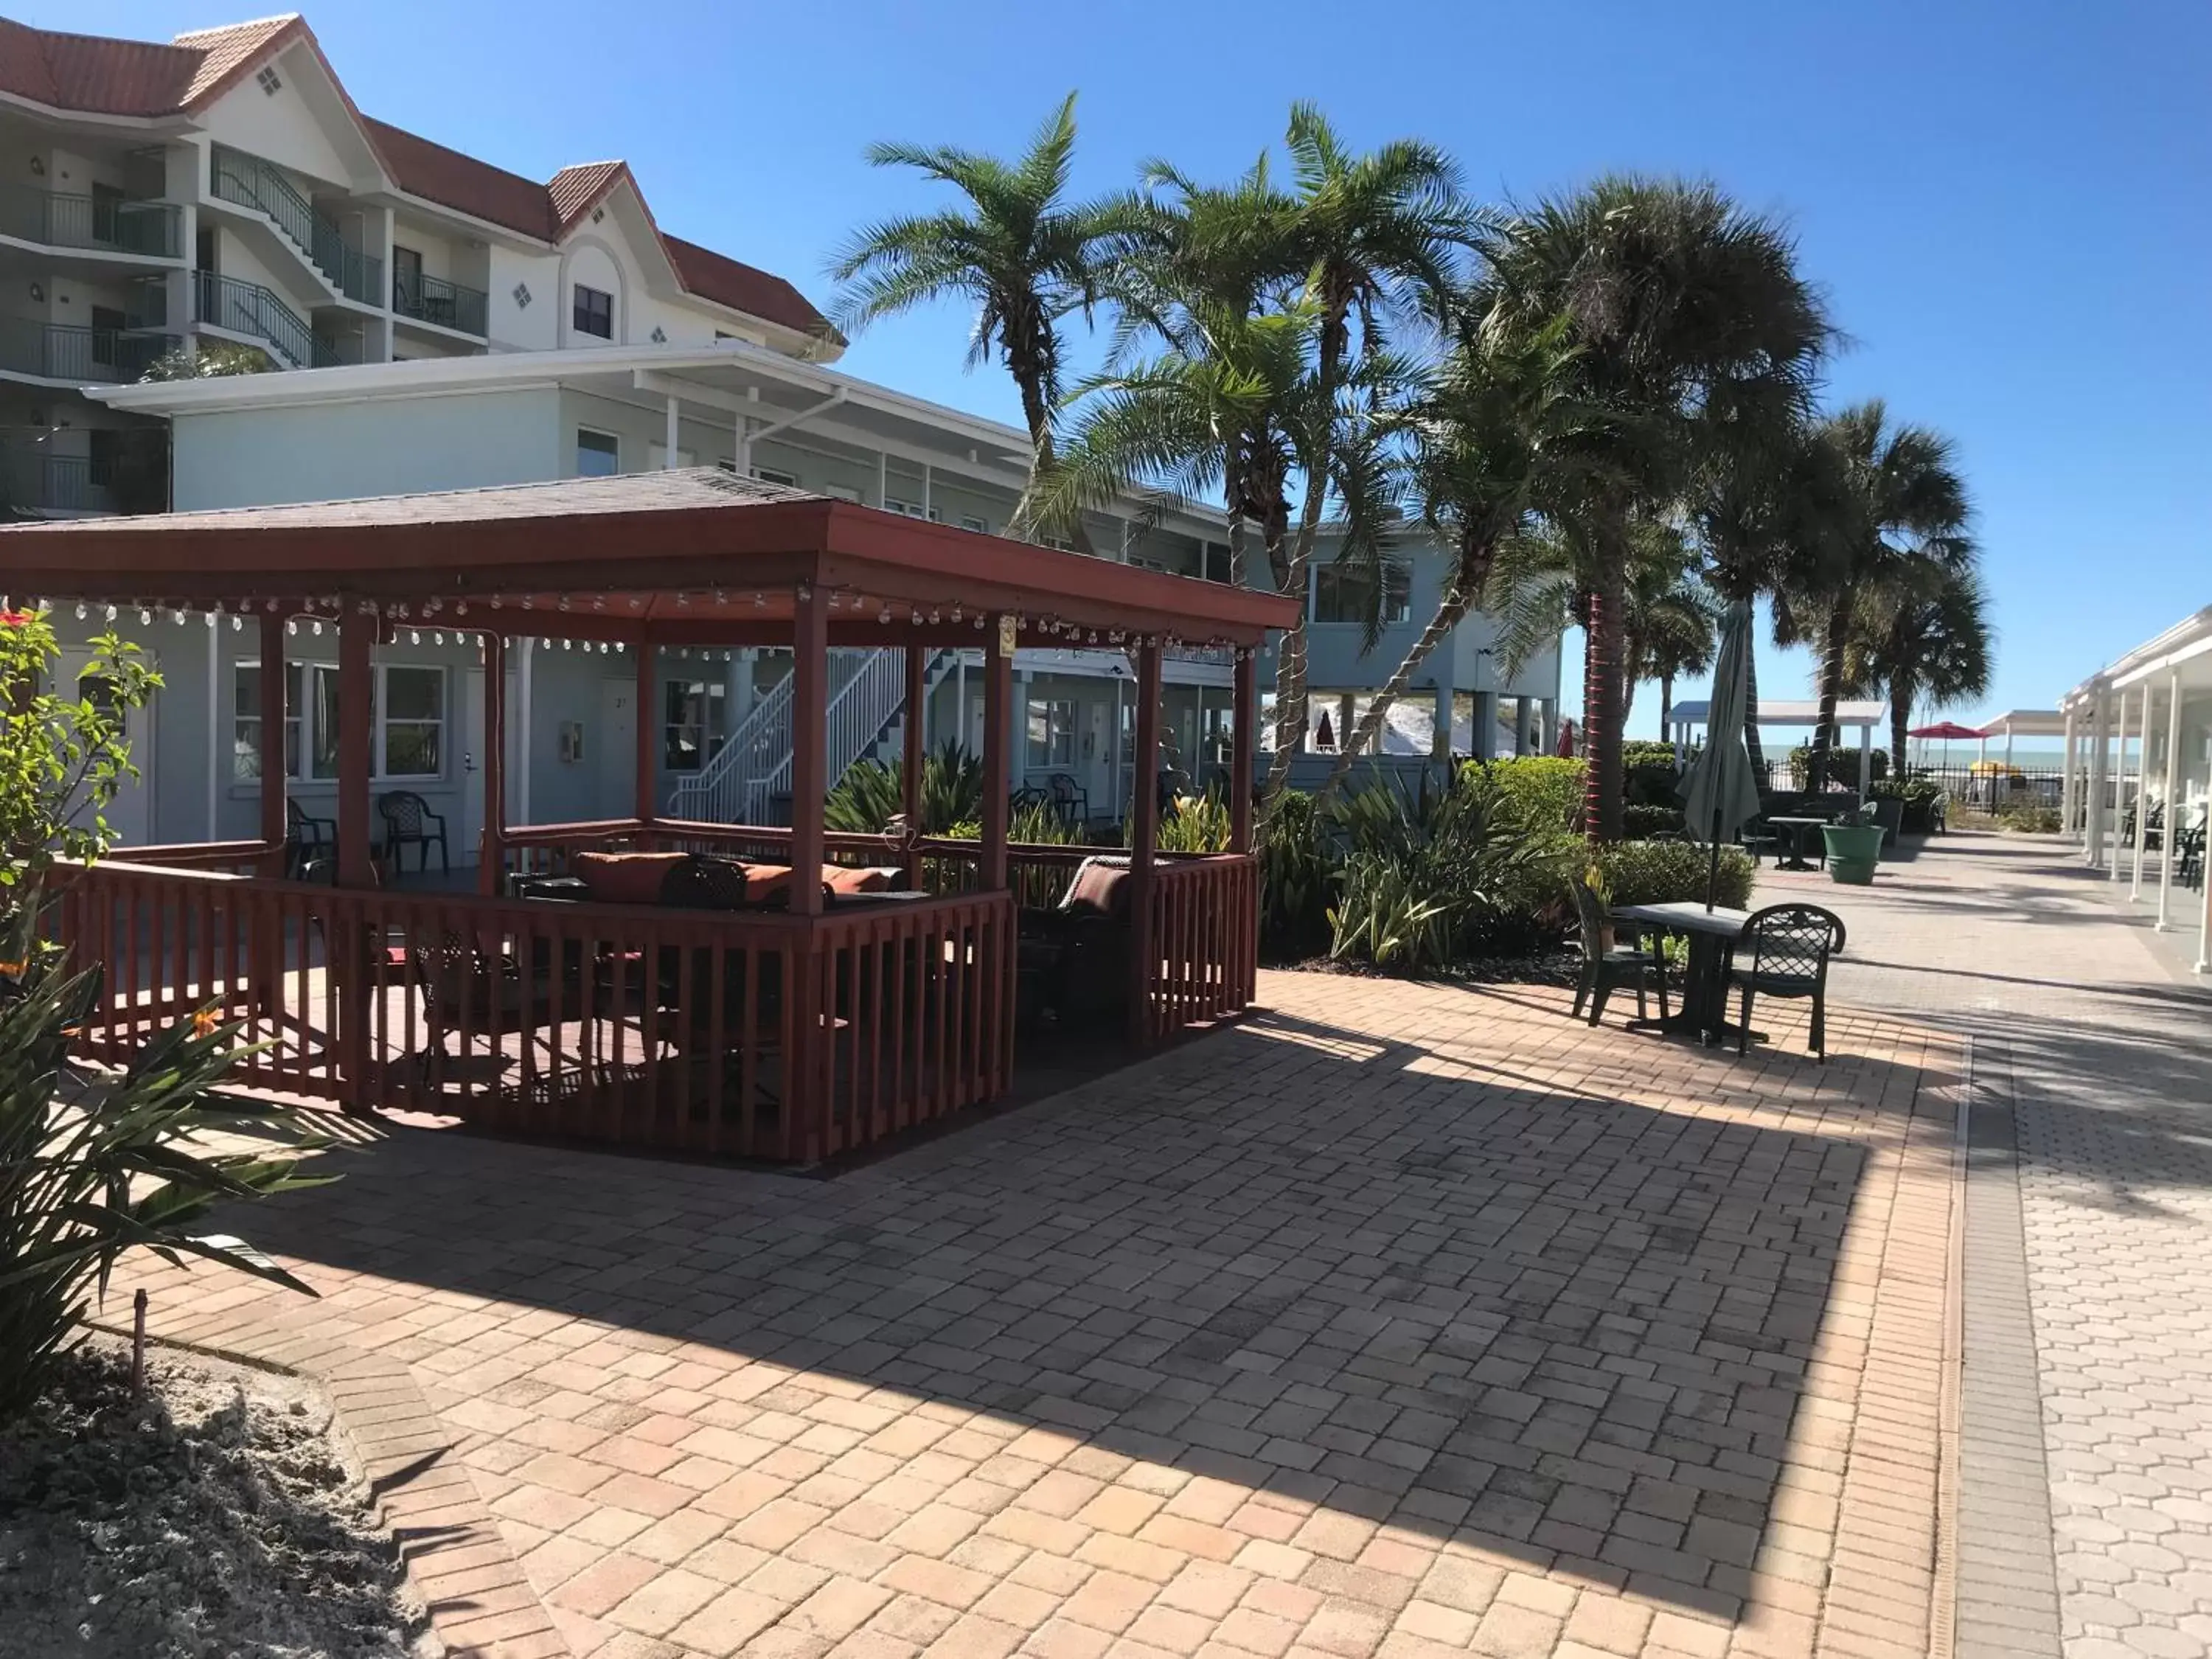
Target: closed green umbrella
[[1719, 795]]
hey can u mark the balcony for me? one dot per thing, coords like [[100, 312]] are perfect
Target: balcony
[[63, 351], [248, 308], [124, 471], [435, 299], [250, 182], [102, 224]]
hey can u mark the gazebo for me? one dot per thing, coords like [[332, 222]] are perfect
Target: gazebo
[[796, 1032]]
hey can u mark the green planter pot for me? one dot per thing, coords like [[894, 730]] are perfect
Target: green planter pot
[[1853, 852]]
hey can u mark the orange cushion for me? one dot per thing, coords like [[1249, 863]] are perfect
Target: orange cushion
[[624, 878], [764, 881], [839, 878]]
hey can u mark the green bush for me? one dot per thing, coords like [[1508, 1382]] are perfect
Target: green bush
[[1193, 823], [1667, 871], [1425, 876], [1843, 765], [1642, 752], [1641, 823], [1546, 790], [2028, 820], [1297, 880], [871, 794]]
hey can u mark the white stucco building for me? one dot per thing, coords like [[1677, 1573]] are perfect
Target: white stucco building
[[433, 322]]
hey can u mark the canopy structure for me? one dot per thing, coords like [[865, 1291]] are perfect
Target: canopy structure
[[813, 1029], [1864, 713]]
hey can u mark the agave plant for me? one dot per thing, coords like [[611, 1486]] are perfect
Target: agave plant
[[870, 794], [92, 1164]]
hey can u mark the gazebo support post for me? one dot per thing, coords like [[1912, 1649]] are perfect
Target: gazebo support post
[[807, 1090], [1144, 840], [646, 805], [1243, 736], [356, 690], [912, 757], [274, 828], [491, 851], [998, 756]]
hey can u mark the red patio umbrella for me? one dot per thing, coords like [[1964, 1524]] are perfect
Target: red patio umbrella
[[1946, 730]]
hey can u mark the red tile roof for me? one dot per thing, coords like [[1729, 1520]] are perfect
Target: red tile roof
[[107, 77]]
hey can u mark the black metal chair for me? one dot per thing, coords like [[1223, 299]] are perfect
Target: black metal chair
[[1789, 947], [1607, 967], [409, 822], [1070, 799], [308, 840], [2190, 843]]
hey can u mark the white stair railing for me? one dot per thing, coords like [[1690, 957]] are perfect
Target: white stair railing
[[743, 782]]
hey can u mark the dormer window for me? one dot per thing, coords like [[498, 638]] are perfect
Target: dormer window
[[595, 312]]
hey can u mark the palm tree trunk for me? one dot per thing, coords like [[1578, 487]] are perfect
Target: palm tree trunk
[[1448, 613], [1667, 708], [1631, 653], [1236, 550], [1900, 717], [1291, 656], [1601, 669], [1751, 745], [1037, 414], [1831, 680]]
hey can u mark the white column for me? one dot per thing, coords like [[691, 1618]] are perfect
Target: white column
[[2066, 792], [668, 441], [2142, 795], [2119, 783], [2100, 745], [2173, 787], [884, 495]]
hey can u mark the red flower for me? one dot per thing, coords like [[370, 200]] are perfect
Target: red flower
[[17, 618]]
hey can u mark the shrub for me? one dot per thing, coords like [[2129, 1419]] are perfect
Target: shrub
[[871, 794], [1641, 823], [1643, 753], [1843, 765], [2030, 820], [1547, 791], [1297, 880], [1193, 823], [91, 1164], [1667, 871], [1424, 875]]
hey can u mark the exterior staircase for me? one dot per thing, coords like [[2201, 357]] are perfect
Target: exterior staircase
[[250, 182], [749, 782]]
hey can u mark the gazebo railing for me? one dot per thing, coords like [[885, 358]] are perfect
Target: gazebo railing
[[752, 1035]]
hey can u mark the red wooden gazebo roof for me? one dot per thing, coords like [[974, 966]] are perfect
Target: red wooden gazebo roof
[[695, 555]]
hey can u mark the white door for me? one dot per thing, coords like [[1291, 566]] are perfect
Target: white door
[[130, 814], [472, 747], [617, 747]]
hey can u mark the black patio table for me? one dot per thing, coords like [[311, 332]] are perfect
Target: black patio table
[[1702, 1011], [1797, 827]]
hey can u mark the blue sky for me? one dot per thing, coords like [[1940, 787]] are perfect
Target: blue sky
[[2005, 200]]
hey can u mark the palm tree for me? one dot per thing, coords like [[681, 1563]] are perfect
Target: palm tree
[[1669, 618], [1921, 637], [1690, 320], [1019, 252], [1478, 436], [1903, 505], [1765, 504]]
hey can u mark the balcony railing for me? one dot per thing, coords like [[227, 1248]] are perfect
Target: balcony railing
[[53, 219], [435, 299], [249, 308], [64, 351], [251, 182], [125, 471]]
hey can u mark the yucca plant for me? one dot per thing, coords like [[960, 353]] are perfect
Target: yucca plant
[[1193, 824], [871, 794], [1298, 877]]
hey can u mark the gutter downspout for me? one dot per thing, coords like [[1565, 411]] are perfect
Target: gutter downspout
[[746, 441]]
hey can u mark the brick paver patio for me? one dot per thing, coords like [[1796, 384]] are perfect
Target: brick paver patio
[[1404, 1320], [2093, 1041]]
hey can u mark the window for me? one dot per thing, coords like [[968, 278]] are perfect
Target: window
[[410, 738], [969, 521], [598, 454], [106, 456], [776, 475], [406, 278], [1344, 593], [269, 80], [838, 492], [407, 714], [595, 312], [1058, 543], [693, 729], [912, 509], [1216, 561], [1052, 732]]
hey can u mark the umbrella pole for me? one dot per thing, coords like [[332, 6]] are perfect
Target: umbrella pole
[[1713, 873]]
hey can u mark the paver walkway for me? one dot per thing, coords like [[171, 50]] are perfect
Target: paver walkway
[[1401, 1320], [2082, 1021]]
